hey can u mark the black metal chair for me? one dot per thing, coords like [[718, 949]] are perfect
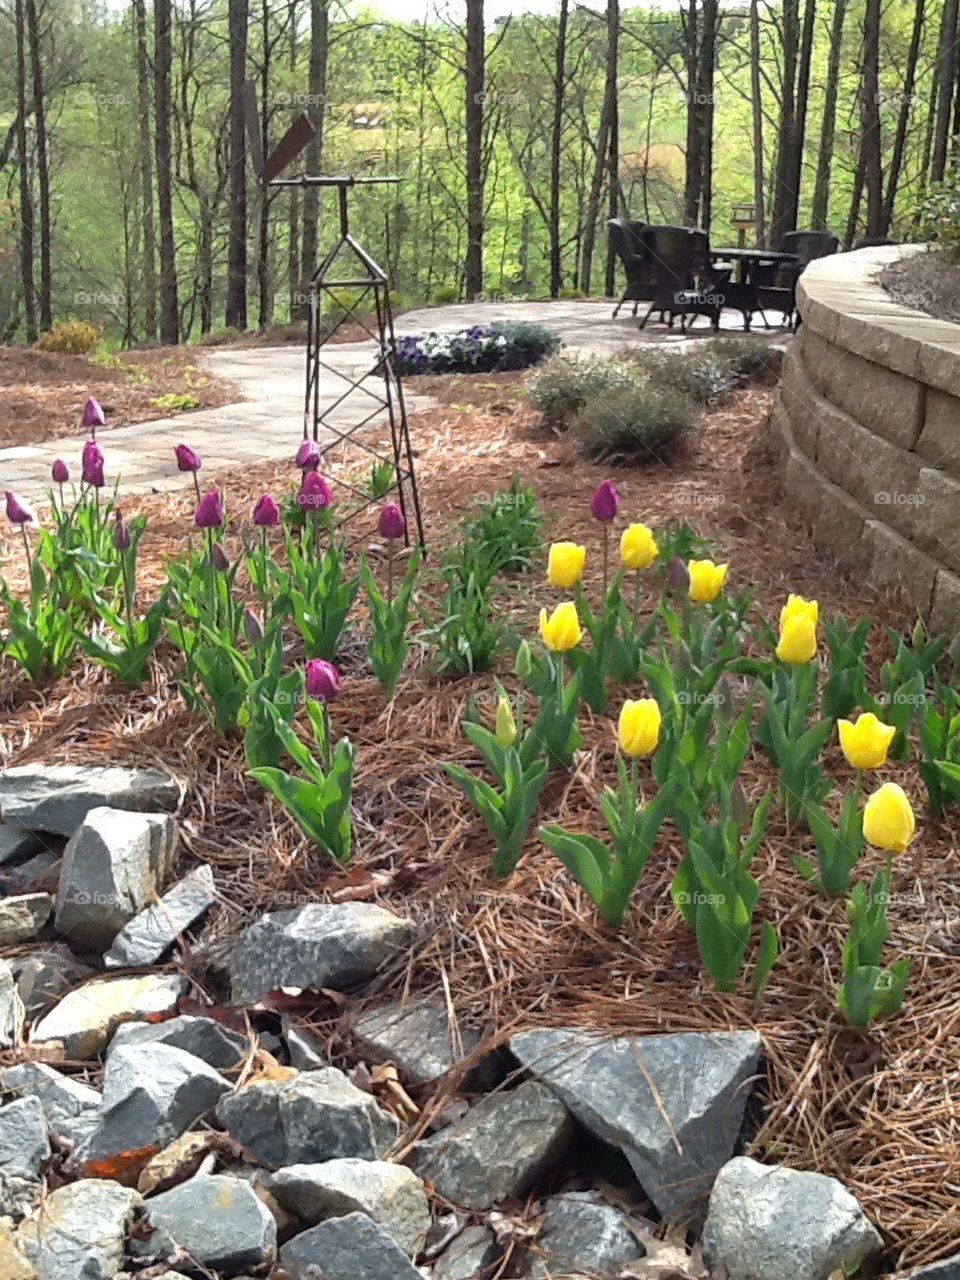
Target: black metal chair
[[626, 237], [776, 284], [687, 284]]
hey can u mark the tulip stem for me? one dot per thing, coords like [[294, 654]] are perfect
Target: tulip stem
[[606, 555], [213, 577], [196, 485], [263, 572], [636, 601], [390, 559], [26, 550]]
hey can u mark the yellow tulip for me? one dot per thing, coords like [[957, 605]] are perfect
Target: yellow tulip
[[798, 639], [561, 629], [797, 607], [565, 564], [506, 726], [706, 580], [888, 821], [866, 741], [638, 547], [638, 729]]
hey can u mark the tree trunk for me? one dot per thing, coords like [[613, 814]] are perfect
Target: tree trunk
[[820, 211], [903, 119], [236, 313], [798, 136], [693, 173], [556, 139], [45, 294], [293, 195], [169, 306], [871, 142], [613, 134], [148, 263], [946, 75], [593, 204], [784, 199], [756, 98], [854, 218], [265, 291], [473, 83], [26, 193], [707, 66], [317, 91]]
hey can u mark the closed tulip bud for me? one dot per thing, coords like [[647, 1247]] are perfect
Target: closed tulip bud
[[323, 680], [308, 456], [524, 662], [506, 726], [266, 513], [605, 502], [638, 729], [706, 580], [560, 630], [888, 821], [391, 523], [866, 740], [209, 513], [93, 415], [678, 577], [252, 627], [91, 467], [565, 564], [122, 538], [187, 459], [798, 638], [739, 808], [638, 547], [60, 472], [221, 561], [797, 607], [315, 492], [17, 510]]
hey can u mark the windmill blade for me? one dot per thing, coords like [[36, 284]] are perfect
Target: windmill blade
[[251, 116], [300, 134]]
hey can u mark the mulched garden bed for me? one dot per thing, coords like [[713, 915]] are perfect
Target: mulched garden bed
[[927, 282]]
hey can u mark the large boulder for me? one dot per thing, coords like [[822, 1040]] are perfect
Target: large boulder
[[148, 937], [350, 1248], [308, 1118], [766, 1222], [70, 1106], [470, 1254], [499, 1148], [113, 865], [86, 1018], [23, 916], [582, 1233], [205, 1038], [151, 1094], [392, 1195], [219, 1220], [45, 976], [320, 945], [24, 1145], [78, 1232], [58, 797], [417, 1036], [673, 1104]]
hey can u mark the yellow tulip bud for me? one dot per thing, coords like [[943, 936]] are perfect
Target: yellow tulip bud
[[561, 629], [866, 741], [888, 821], [565, 564], [706, 580], [638, 729], [796, 606], [506, 727], [638, 547], [798, 639]]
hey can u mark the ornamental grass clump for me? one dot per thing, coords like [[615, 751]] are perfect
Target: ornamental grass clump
[[635, 424]]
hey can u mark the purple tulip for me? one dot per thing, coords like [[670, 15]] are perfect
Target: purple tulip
[[209, 513], [605, 502], [392, 523], [323, 680], [266, 513], [315, 493], [678, 575], [93, 415], [92, 465], [17, 510], [122, 538], [60, 472], [221, 561], [252, 627], [187, 459], [308, 456]]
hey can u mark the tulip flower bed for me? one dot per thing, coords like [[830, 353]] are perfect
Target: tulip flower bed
[[636, 777], [480, 349]]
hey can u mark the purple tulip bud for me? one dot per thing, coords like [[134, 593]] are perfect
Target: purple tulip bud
[[308, 456], [253, 627], [323, 680], [60, 472], [605, 502], [678, 575], [17, 510], [266, 513], [122, 538], [315, 493], [209, 513], [392, 523], [92, 465], [187, 459], [221, 561], [93, 415]]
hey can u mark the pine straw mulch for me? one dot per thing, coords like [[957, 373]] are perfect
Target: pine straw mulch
[[875, 1110]]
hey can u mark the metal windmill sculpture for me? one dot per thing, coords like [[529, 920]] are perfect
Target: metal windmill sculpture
[[347, 414]]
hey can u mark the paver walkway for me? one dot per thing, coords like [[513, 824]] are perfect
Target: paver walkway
[[267, 424]]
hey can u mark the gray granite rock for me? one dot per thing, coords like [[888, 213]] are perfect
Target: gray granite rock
[[87, 1017], [471, 1254], [946, 1269], [150, 935], [39, 874], [44, 976], [57, 798], [205, 1038], [13, 1265], [11, 1006], [24, 1144], [17, 844], [499, 1148], [219, 1220], [113, 865], [151, 1094], [19, 1195], [350, 1248], [417, 1037], [392, 1195], [582, 1233], [70, 1106], [23, 916], [78, 1232], [766, 1222], [305, 1050], [320, 945], [311, 1117], [673, 1104]]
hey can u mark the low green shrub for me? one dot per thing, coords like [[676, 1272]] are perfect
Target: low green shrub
[[563, 385], [707, 373], [640, 423], [176, 402], [445, 294], [72, 337]]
